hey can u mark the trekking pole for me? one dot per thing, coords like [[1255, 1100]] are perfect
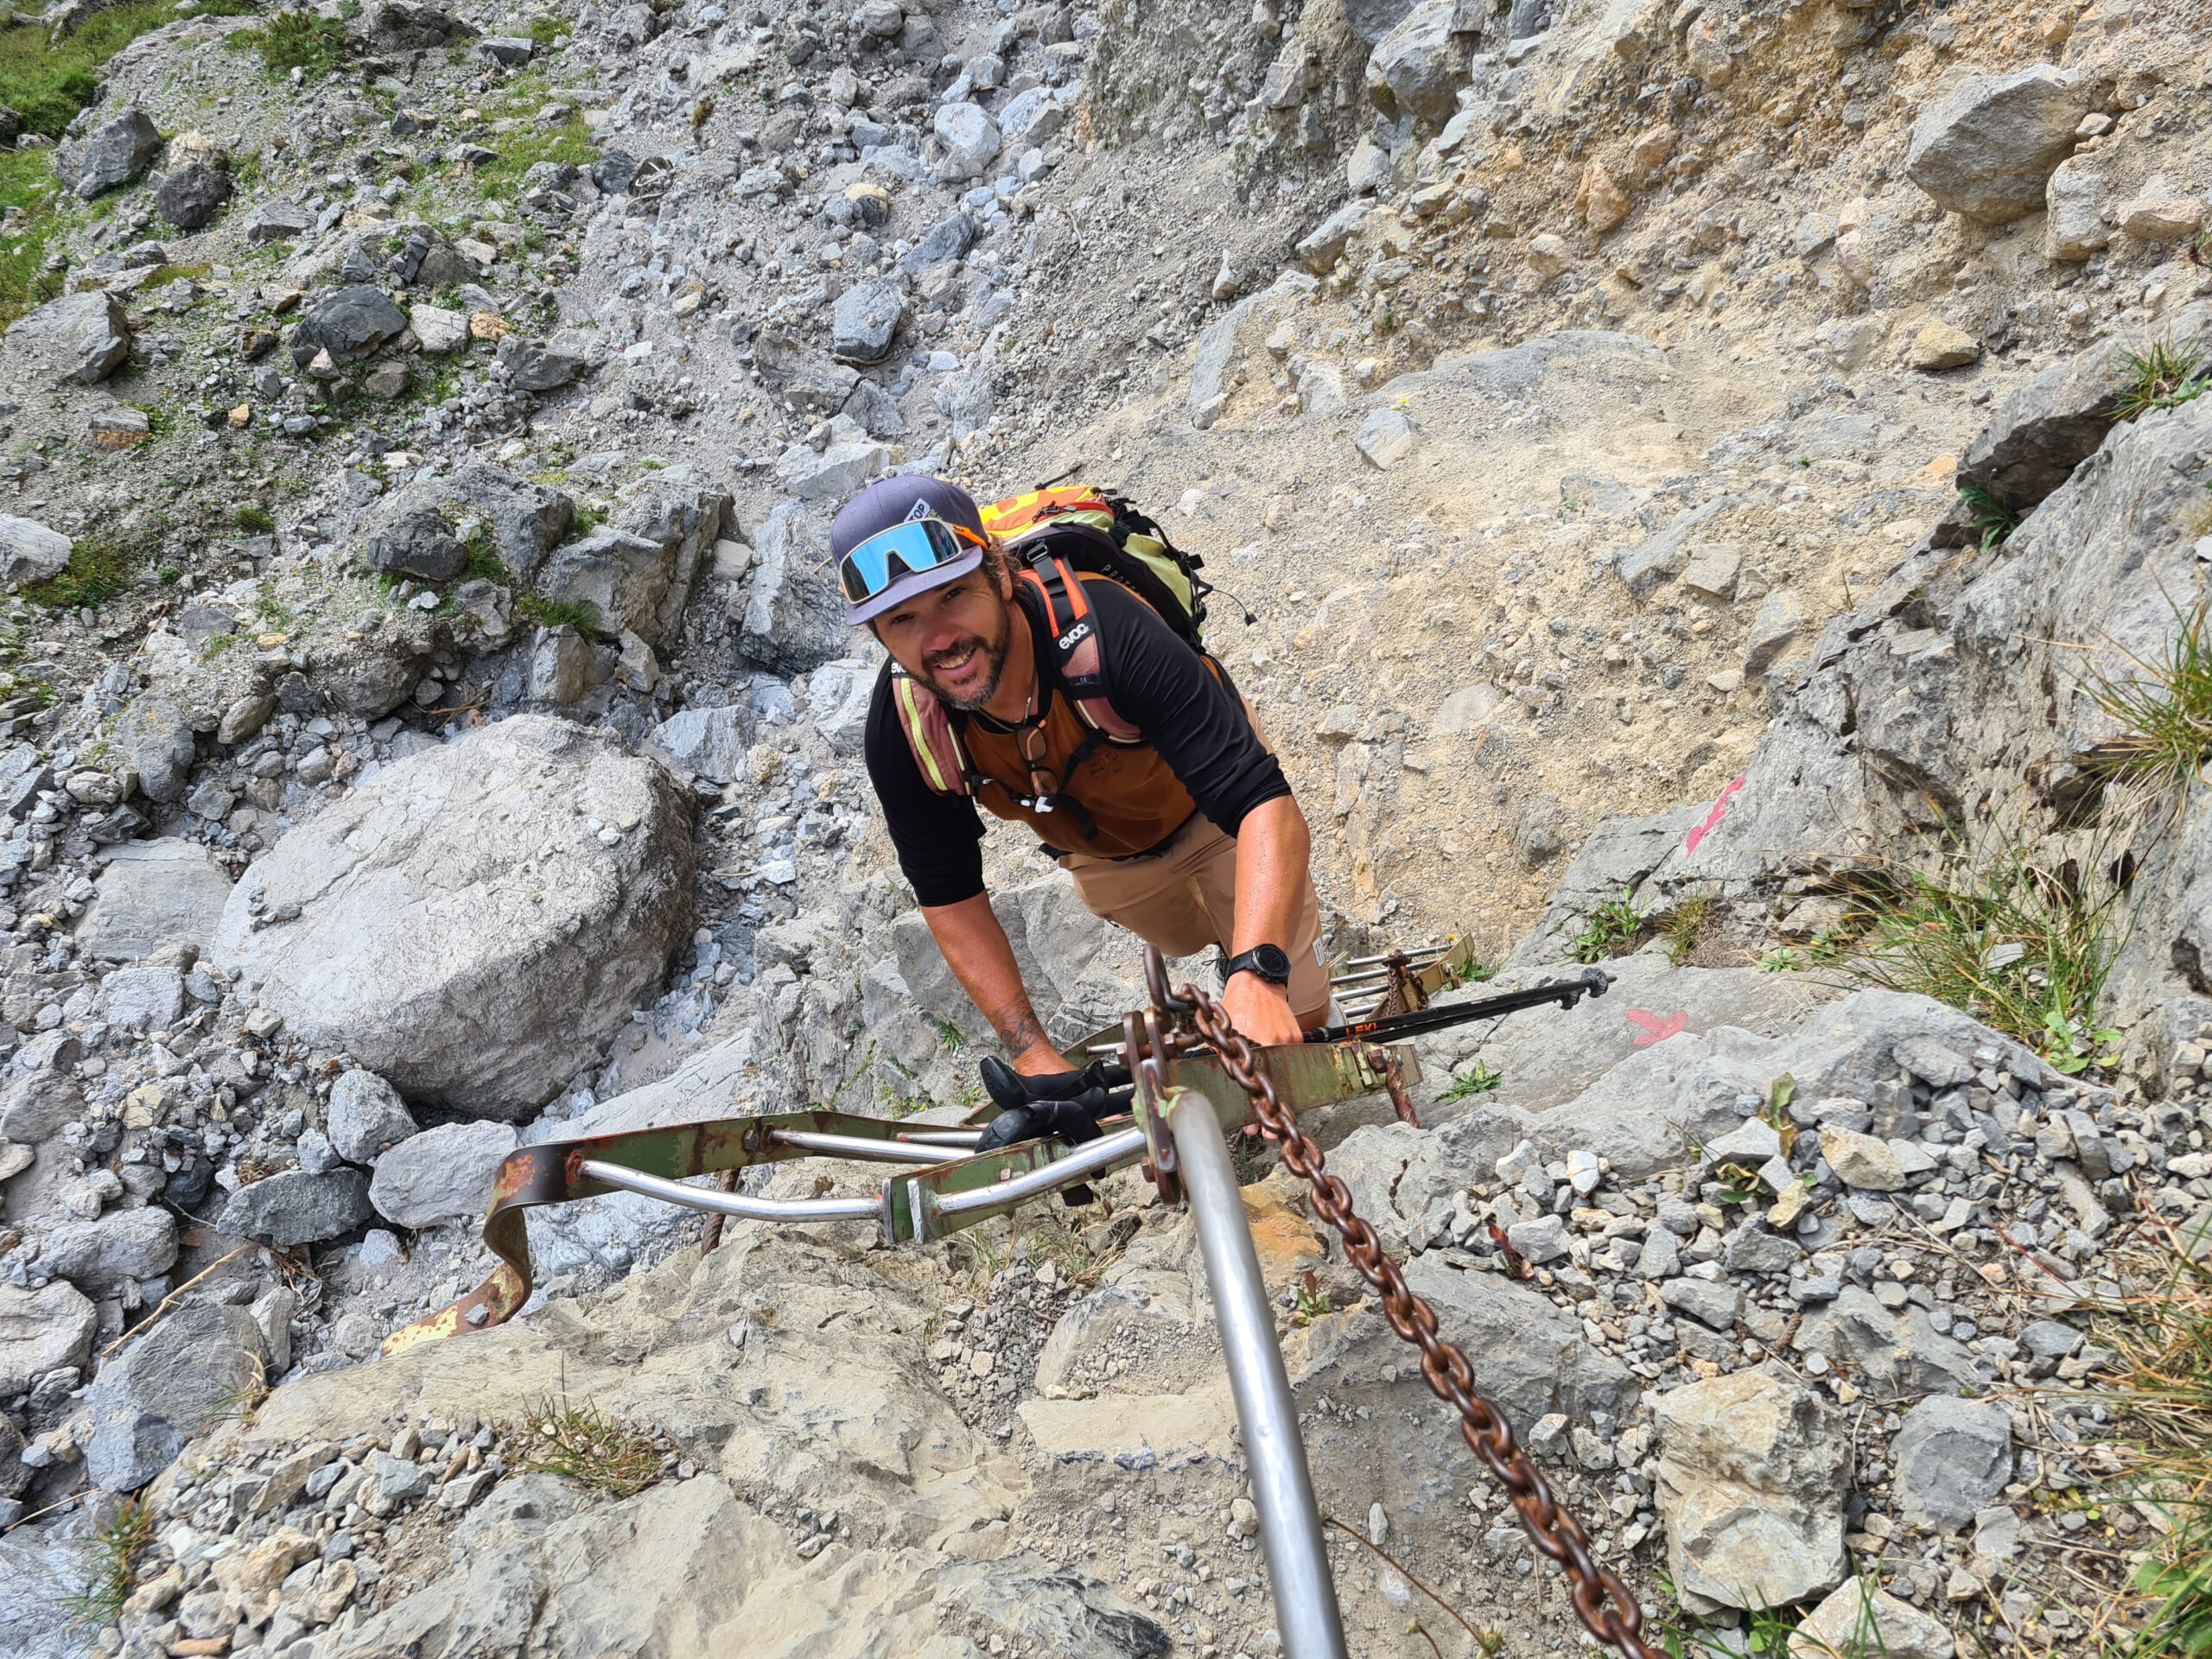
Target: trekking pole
[[1594, 982], [1283, 1487]]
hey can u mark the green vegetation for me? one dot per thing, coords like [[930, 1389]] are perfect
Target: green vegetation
[[543, 31], [27, 183], [2020, 941], [254, 520], [1480, 1081], [949, 1035], [581, 1445], [1828, 948], [314, 46], [1686, 925], [578, 614], [2164, 375], [1992, 517], [99, 567], [568, 141], [1610, 931], [2164, 708], [112, 1562]]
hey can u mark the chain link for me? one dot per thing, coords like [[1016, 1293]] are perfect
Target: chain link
[[1602, 1602]]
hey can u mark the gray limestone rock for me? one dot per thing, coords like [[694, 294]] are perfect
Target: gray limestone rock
[[710, 743], [865, 321], [417, 535], [1774, 630], [101, 1256], [477, 917], [794, 617], [1418, 67], [155, 739], [80, 339], [191, 196], [42, 1331], [970, 139], [1953, 1457], [442, 1174], [1320, 247], [806, 377], [349, 323], [29, 551], [365, 1116], [167, 1386], [153, 894], [293, 1207], [545, 365], [1752, 1468], [118, 152], [143, 999], [527, 519], [277, 221], [944, 242], [1986, 149], [1372, 20]]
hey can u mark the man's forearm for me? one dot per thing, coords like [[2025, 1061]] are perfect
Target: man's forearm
[[1273, 847], [977, 950]]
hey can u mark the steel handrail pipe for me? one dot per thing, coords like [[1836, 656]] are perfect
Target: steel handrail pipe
[[1087, 1160], [940, 1137], [859, 1146], [1283, 1488], [740, 1205]]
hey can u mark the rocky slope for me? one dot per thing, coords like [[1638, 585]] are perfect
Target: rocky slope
[[431, 732]]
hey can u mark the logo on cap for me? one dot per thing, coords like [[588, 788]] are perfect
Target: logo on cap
[[920, 510]]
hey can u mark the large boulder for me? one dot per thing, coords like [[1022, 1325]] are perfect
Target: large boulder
[[476, 921], [1752, 1468], [101, 1256], [970, 139], [153, 893], [865, 321], [42, 1331], [192, 195], [794, 618], [194, 1367], [29, 551], [155, 738], [639, 578], [118, 153], [78, 339], [296, 1207], [1419, 66], [349, 323], [1986, 149], [442, 1174]]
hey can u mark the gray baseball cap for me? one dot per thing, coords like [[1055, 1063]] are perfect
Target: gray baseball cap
[[891, 501]]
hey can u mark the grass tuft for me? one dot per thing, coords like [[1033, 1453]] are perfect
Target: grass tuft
[[594, 1452], [2022, 943], [2164, 708], [578, 614], [1992, 517], [1610, 931], [315, 46], [98, 570], [1685, 925], [112, 1560], [253, 519], [2164, 375]]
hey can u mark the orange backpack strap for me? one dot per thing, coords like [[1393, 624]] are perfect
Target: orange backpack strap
[[1078, 661], [938, 752]]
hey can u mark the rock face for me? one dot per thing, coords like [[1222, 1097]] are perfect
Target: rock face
[[1751, 1475], [152, 894], [114, 155], [29, 551], [1988, 148], [80, 339], [475, 919], [1419, 66], [442, 1174], [191, 1369]]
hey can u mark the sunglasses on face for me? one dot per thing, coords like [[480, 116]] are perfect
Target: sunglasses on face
[[904, 550]]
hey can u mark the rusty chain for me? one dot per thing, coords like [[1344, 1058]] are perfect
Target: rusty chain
[[1602, 1602]]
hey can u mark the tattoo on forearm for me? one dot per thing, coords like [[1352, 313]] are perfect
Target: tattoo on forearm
[[1018, 1026]]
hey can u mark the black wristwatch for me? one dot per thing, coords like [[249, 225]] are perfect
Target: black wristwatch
[[1270, 962]]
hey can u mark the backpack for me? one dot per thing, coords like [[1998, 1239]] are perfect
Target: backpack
[[1057, 537]]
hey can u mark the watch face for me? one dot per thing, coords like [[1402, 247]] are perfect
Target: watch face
[[1273, 962]]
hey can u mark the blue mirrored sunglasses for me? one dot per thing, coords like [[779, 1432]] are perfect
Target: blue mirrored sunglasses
[[904, 550]]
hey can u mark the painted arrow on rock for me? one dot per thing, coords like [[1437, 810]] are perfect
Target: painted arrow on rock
[[1656, 1029]]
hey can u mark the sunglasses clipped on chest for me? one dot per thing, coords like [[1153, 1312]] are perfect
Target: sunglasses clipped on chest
[[905, 550]]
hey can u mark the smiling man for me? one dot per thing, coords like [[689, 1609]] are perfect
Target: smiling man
[[1147, 780]]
